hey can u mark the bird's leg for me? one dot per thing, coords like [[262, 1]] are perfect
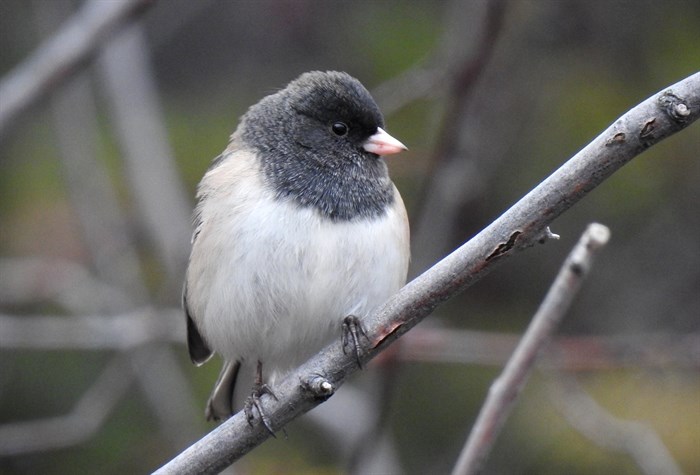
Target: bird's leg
[[254, 401], [352, 332]]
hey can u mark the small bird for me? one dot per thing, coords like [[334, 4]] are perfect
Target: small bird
[[297, 229]]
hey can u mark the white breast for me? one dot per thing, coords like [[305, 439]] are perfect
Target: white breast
[[270, 281]]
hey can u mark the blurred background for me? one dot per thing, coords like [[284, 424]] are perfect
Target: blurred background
[[97, 183]]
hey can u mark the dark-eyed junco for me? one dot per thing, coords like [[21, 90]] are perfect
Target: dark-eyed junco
[[297, 227]]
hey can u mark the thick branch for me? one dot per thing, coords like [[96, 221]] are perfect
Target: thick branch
[[522, 225]]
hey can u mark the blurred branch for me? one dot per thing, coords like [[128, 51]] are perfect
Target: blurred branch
[[453, 174], [445, 65], [504, 392], [380, 386], [28, 280], [166, 388], [431, 345], [345, 420], [160, 198], [87, 416], [103, 226], [95, 332], [464, 73], [524, 224], [59, 57], [165, 216], [105, 232], [636, 439], [565, 353], [168, 395], [411, 85]]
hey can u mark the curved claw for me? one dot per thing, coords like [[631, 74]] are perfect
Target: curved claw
[[254, 401], [352, 332]]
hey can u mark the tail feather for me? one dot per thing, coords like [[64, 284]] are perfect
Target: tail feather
[[220, 404]]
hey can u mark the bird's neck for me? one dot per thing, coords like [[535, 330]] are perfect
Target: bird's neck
[[341, 191]]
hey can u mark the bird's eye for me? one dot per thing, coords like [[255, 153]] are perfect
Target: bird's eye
[[339, 129]]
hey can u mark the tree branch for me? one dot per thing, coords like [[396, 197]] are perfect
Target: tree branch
[[656, 118], [504, 392]]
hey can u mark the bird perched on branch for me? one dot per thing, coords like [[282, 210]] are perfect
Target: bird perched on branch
[[298, 228]]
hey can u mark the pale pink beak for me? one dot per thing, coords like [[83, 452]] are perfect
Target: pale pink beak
[[382, 143]]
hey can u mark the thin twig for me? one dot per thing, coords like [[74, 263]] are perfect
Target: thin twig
[[504, 392], [654, 119]]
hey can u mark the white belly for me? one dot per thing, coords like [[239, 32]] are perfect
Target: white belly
[[277, 280]]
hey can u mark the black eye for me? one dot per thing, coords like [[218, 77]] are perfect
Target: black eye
[[339, 128]]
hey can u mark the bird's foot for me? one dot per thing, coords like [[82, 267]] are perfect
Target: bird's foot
[[254, 401], [352, 332]]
